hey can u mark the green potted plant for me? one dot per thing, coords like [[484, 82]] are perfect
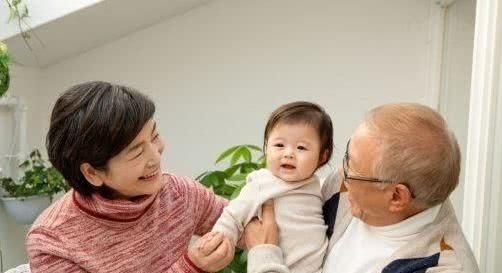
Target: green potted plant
[[26, 198], [227, 181]]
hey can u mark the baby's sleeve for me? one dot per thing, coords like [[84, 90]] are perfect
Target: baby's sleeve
[[239, 212]]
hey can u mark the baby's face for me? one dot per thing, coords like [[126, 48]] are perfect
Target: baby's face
[[293, 151]]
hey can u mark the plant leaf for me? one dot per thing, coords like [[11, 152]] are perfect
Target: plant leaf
[[230, 171], [226, 153], [236, 156], [254, 147], [238, 177], [246, 154], [200, 176], [236, 193]]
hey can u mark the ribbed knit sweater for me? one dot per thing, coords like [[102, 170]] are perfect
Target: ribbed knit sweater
[[298, 212], [150, 235]]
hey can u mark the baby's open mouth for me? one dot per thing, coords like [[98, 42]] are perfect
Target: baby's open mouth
[[288, 166]]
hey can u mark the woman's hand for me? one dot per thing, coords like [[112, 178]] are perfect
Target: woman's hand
[[212, 252], [262, 232]]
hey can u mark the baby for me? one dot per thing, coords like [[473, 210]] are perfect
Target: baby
[[298, 140]]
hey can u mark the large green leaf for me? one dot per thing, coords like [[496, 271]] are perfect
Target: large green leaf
[[230, 171], [238, 177], [227, 153], [236, 192], [237, 155], [254, 147], [214, 179], [246, 154]]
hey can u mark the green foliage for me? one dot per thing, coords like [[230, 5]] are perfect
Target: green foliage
[[4, 69], [228, 181], [18, 11], [38, 179]]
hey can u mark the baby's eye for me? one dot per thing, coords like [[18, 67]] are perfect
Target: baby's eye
[[280, 145], [156, 137], [302, 148]]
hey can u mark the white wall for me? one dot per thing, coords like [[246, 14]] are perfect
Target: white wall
[[216, 72], [498, 236], [456, 79], [25, 84]]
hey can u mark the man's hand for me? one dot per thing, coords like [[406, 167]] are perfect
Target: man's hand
[[212, 252], [262, 232]]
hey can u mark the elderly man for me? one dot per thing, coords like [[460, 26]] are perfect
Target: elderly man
[[387, 208]]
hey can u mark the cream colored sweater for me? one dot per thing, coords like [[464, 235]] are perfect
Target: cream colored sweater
[[439, 248], [298, 212]]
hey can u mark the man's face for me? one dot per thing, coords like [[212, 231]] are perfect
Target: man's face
[[369, 200]]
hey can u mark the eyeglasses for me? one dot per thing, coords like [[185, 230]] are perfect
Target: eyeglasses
[[346, 168], [347, 177]]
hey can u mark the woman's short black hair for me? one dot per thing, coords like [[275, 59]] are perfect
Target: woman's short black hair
[[91, 123]]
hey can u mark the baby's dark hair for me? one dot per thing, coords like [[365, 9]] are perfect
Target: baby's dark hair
[[307, 113], [91, 123]]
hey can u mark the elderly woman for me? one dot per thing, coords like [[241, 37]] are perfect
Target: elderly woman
[[387, 208], [123, 214]]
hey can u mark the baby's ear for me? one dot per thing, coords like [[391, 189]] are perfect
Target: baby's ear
[[324, 158]]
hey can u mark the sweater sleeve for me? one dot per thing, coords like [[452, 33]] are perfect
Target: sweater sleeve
[[205, 206], [47, 254], [266, 259], [184, 265]]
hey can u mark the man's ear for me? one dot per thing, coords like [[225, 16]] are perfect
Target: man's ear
[[91, 174], [401, 198]]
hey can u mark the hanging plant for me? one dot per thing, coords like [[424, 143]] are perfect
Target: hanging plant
[[4, 69], [18, 12]]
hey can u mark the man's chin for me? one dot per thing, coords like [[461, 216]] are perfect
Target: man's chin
[[357, 212]]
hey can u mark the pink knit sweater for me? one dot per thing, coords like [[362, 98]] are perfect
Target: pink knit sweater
[[149, 235]]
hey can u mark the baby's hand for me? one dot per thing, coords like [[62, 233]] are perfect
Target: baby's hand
[[212, 252]]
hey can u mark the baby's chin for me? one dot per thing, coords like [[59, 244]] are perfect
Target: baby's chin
[[291, 179]]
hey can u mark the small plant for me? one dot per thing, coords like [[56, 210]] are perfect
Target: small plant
[[18, 13], [39, 179], [229, 180]]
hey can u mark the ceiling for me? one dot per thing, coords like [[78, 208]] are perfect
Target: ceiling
[[92, 27]]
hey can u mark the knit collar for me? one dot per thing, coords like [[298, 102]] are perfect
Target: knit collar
[[118, 210], [409, 227]]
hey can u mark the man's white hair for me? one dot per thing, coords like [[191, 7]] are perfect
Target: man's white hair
[[416, 148]]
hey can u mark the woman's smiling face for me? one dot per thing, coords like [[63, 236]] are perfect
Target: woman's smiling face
[[135, 171]]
